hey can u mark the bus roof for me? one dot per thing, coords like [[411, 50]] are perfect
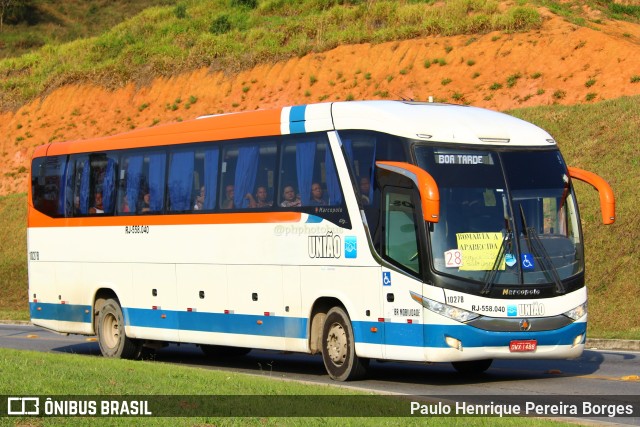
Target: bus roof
[[415, 120], [439, 123]]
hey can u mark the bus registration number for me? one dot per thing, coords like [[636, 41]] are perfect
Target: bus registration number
[[522, 346]]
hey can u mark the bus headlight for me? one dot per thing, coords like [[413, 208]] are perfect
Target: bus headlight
[[577, 312], [445, 310]]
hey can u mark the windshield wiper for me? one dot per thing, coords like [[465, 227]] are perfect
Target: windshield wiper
[[536, 246], [490, 275]]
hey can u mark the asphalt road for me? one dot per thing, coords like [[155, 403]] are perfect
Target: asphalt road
[[614, 375]]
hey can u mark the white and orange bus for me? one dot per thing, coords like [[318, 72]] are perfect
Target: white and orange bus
[[359, 230]]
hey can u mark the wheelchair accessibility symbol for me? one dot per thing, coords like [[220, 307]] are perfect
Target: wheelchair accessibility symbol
[[527, 262], [386, 278]]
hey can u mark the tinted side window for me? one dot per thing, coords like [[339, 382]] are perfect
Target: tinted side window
[[248, 175], [205, 177], [49, 185], [180, 184], [400, 230], [308, 174], [142, 182]]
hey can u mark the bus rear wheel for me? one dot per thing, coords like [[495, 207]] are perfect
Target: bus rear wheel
[[472, 367], [111, 334], [338, 348]]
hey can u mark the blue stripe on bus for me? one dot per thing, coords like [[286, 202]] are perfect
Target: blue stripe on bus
[[312, 219], [297, 119], [407, 334], [63, 312], [274, 326], [402, 334]]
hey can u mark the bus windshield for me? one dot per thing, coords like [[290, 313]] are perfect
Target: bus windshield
[[506, 217]]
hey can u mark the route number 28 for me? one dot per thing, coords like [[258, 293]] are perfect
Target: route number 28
[[453, 258]]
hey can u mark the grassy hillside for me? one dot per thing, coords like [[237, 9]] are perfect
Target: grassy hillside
[[13, 257], [599, 137], [31, 24], [164, 41]]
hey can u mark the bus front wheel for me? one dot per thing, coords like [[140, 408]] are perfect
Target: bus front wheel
[[338, 348], [111, 335]]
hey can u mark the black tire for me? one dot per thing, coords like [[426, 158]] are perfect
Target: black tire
[[338, 348], [223, 352], [472, 367], [111, 334]]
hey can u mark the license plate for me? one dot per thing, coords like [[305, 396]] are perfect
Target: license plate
[[521, 346]]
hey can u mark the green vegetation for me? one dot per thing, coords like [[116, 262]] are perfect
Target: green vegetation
[[31, 24], [559, 94], [513, 79], [30, 373], [574, 10], [166, 40], [13, 257]]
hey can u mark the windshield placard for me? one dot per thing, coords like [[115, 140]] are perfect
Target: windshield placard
[[479, 250]]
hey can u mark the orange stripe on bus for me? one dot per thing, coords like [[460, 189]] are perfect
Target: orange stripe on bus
[[37, 219], [217, 128]]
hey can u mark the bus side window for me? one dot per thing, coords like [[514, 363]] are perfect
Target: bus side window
[[401, 230], [306, 162], [206, 179], [49, 185], [102, 183], [246, 167], [144, 183], [180, 183], [81, 185]]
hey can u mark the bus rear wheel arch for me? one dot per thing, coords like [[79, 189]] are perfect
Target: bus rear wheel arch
[[338, 348], [112, 337]]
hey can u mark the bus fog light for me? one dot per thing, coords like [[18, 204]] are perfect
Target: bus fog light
[[453, 342], [577, 340]]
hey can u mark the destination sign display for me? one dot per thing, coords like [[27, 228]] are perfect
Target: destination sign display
[[457, 158]]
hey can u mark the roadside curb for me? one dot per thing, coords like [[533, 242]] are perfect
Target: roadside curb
[[591, 344], [612, 344]]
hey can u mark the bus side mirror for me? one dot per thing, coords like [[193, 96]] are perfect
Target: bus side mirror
[[607, 201], [427, 187]]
